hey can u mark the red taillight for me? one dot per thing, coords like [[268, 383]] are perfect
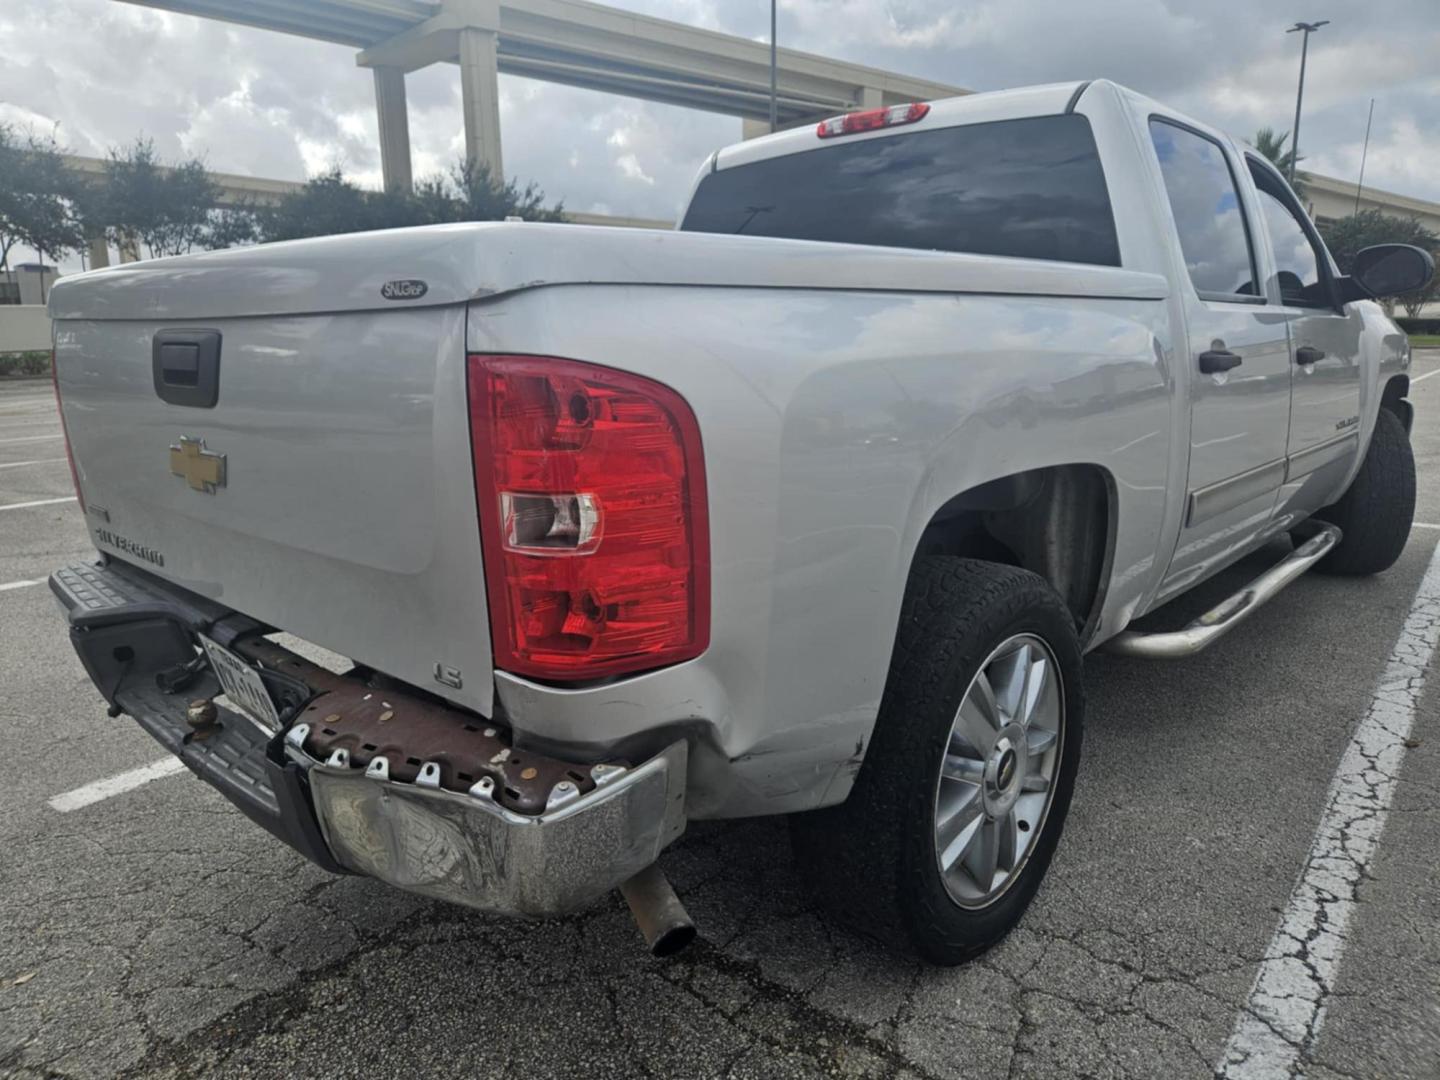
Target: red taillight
[[872, 119], [69, 454], [593, 518]]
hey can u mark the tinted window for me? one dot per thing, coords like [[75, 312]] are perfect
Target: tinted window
[[1295, 260], [1032, 188], [1206, 206]]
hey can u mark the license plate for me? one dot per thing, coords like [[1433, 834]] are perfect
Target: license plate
[[242, 685]]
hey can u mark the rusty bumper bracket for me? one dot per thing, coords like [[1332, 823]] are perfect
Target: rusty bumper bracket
[[411, 731]]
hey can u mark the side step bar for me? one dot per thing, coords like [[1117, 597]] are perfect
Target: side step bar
[[1231, 611]]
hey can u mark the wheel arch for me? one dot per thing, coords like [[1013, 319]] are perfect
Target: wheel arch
[[1395, 397], [1057, 521]]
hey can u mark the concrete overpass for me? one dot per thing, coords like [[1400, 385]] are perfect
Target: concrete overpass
[[565, 41]]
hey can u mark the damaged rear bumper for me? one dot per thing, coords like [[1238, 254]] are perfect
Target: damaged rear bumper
[[391, 784]]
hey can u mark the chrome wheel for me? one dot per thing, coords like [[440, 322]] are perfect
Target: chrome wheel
[[998, 777]]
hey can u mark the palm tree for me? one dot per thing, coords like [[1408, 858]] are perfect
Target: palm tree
[[1272, 147]]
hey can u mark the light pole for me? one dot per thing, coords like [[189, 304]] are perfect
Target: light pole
[[1360, 184], [1306, 29], [774, 111]]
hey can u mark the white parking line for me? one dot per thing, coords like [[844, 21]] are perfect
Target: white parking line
[[32, 438], [1422, 378], [115, 785], [36, 502], [1282, 1018], [1423, 525], [7, 586], [37, 461]]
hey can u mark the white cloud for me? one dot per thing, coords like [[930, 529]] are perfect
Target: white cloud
[[273, 105]]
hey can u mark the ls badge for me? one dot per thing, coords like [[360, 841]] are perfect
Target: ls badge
[[202, 469]]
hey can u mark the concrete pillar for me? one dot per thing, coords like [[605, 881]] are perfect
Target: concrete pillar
[[871, 97], [394, 119], [753, 129], [128, 248], [99, 252], [480, 95]]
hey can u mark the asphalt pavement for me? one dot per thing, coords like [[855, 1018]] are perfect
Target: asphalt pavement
[[157, 933]]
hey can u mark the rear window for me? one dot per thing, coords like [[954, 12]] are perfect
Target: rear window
[[1032, 188]]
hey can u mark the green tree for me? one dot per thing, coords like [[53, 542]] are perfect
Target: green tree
[[326, 205], [331, 203], [480, 198], [37, 207], [1272, 147], [1348, 235], [13, 191], [1414, 302], [233, 226], [166, 208]]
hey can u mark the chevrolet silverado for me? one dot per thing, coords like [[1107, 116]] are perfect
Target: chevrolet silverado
[[811, 506]]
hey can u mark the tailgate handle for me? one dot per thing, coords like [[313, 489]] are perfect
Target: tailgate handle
[[186, 366]]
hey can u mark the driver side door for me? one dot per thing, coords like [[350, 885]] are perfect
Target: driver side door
[[1324, 346]]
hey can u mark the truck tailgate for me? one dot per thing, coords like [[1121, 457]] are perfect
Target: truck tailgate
[[344, 508]]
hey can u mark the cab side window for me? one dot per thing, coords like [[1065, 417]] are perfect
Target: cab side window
[[1205, 202], [1297, 262]]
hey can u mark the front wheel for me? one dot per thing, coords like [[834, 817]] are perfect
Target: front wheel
[[964, 789], [1375, 513]]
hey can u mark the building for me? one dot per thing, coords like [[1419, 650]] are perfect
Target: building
[[1332, 199], [27, 283]]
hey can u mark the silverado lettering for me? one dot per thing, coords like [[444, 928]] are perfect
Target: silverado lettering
[[129, 547]]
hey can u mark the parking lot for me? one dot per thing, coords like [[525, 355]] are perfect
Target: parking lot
[[156, 932]]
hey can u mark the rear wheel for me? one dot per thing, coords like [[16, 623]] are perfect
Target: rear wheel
[[1375, 514], [964, 789]]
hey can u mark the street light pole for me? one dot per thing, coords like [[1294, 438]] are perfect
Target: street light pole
[[1306, 29], [774, 111], [1360, 184]]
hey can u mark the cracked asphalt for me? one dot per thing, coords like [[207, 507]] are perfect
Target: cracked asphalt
[[160, 934]]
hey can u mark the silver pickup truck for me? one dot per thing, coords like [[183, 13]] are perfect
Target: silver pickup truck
[[809, 507]]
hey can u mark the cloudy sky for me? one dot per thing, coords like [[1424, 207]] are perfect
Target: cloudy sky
[[247, 101]]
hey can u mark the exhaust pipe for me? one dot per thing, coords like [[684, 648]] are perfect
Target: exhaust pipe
[[663, 920]]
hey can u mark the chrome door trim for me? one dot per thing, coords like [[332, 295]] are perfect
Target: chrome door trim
[[1214, 499], [1316, 457]]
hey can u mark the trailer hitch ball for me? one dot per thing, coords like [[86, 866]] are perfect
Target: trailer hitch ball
[[201, 715]]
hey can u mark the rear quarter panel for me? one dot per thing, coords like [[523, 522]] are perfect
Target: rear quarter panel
[[834, 425]]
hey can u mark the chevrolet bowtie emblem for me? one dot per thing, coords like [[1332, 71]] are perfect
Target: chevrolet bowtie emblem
[[202, 470]]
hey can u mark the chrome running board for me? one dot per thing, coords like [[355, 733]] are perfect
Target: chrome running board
[[1231, 611]]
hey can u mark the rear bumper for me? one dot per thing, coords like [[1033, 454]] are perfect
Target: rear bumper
[[469, 850], [490, 843]]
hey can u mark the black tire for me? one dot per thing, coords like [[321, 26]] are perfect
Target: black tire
[[1376, 512], [872, 859]]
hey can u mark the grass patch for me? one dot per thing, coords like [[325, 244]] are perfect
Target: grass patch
[[34, 362], [1425, 341]]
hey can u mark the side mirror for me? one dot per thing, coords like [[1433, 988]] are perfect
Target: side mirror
[[1387, 270]]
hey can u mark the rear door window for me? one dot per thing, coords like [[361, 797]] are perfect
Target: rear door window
[[1032, 188], [1205, 201]]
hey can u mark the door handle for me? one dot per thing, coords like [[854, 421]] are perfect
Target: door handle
[[1215, 361], [1308, 354]]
